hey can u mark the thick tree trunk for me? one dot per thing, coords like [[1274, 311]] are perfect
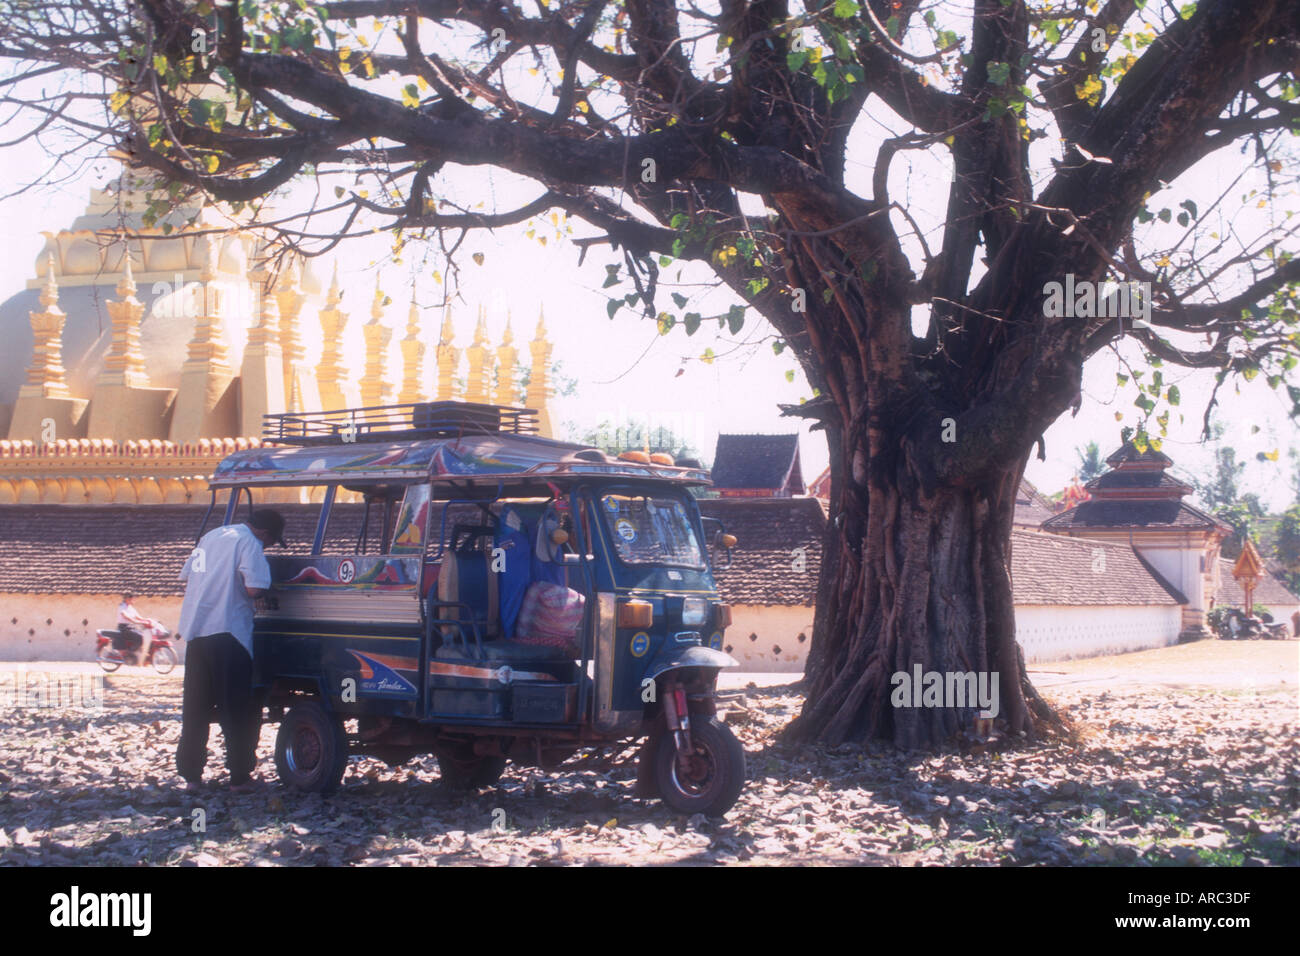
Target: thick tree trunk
[[918, 583]]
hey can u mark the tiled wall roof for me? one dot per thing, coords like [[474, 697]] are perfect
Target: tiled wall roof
[[769, 531], [1048, 569]]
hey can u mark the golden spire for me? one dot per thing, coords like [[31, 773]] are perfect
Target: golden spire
[[476, 388], [268, 330], [124, 359], [448, 358], [208, 346], [539, 386], [46, 373], [413, 350], [330, 372], [507, 358], [289, 299], [375, 389]]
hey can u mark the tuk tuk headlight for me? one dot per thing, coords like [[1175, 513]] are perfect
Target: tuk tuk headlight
[[694, 611]]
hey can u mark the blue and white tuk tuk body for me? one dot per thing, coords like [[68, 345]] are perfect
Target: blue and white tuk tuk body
[[505, 597]]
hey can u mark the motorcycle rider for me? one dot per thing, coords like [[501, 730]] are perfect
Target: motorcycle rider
[[131, 622]]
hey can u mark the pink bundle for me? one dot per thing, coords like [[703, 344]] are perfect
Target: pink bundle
[[551, 615]]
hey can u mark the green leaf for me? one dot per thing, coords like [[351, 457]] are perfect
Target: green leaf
[[1189, 206], [1164, 215], [665, 261], [1173, 395], [1052, 29], [612, 306], [778, 346], [789, 375], [200, 111], [1183, 219], [692, 322], [795, 61], [998, 72], [846, 9], [735, 318], [680, 300], [679, 221]]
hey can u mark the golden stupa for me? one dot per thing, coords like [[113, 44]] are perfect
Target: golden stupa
[[135, 364]]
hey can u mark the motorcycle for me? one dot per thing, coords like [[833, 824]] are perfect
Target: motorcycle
[[120, 645], [1275, 630], [1236, 625]]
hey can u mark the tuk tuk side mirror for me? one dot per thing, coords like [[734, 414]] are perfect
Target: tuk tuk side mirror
[[725, 541], [559, 536]]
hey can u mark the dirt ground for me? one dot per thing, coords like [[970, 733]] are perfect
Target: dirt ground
[[1184, 756]]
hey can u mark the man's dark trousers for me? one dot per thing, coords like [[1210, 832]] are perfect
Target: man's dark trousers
[[218, 674]]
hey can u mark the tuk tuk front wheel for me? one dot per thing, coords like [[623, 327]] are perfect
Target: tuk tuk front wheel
[[710, 779], [311, 749]]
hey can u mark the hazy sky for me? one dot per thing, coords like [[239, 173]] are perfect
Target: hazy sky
[[625, 370]]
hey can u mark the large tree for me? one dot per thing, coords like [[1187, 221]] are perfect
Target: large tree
[[722, 132]]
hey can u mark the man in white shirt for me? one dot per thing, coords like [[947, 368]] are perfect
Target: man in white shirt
[[131, 621], [225, 573]]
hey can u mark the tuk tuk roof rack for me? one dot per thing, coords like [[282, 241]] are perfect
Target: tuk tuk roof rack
[[407, 421]]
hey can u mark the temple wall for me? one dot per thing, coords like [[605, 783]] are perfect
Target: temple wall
[[767, 638], [1053, 633]]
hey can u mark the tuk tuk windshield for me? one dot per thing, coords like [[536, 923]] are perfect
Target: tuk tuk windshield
[[652, 530]]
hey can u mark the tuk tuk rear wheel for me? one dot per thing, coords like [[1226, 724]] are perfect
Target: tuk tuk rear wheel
[[715, 772], [311, 749]]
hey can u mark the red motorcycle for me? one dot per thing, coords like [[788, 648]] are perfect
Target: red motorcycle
[[121, 645]]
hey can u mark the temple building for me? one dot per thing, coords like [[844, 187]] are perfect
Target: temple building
[[1139, 504], [134, 365]]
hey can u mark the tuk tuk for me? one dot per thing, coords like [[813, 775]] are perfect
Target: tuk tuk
[[507, 597]]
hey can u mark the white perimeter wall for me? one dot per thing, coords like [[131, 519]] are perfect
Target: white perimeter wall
[[49, 627], [776, 630], [1046, 633], [1062, 633]]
